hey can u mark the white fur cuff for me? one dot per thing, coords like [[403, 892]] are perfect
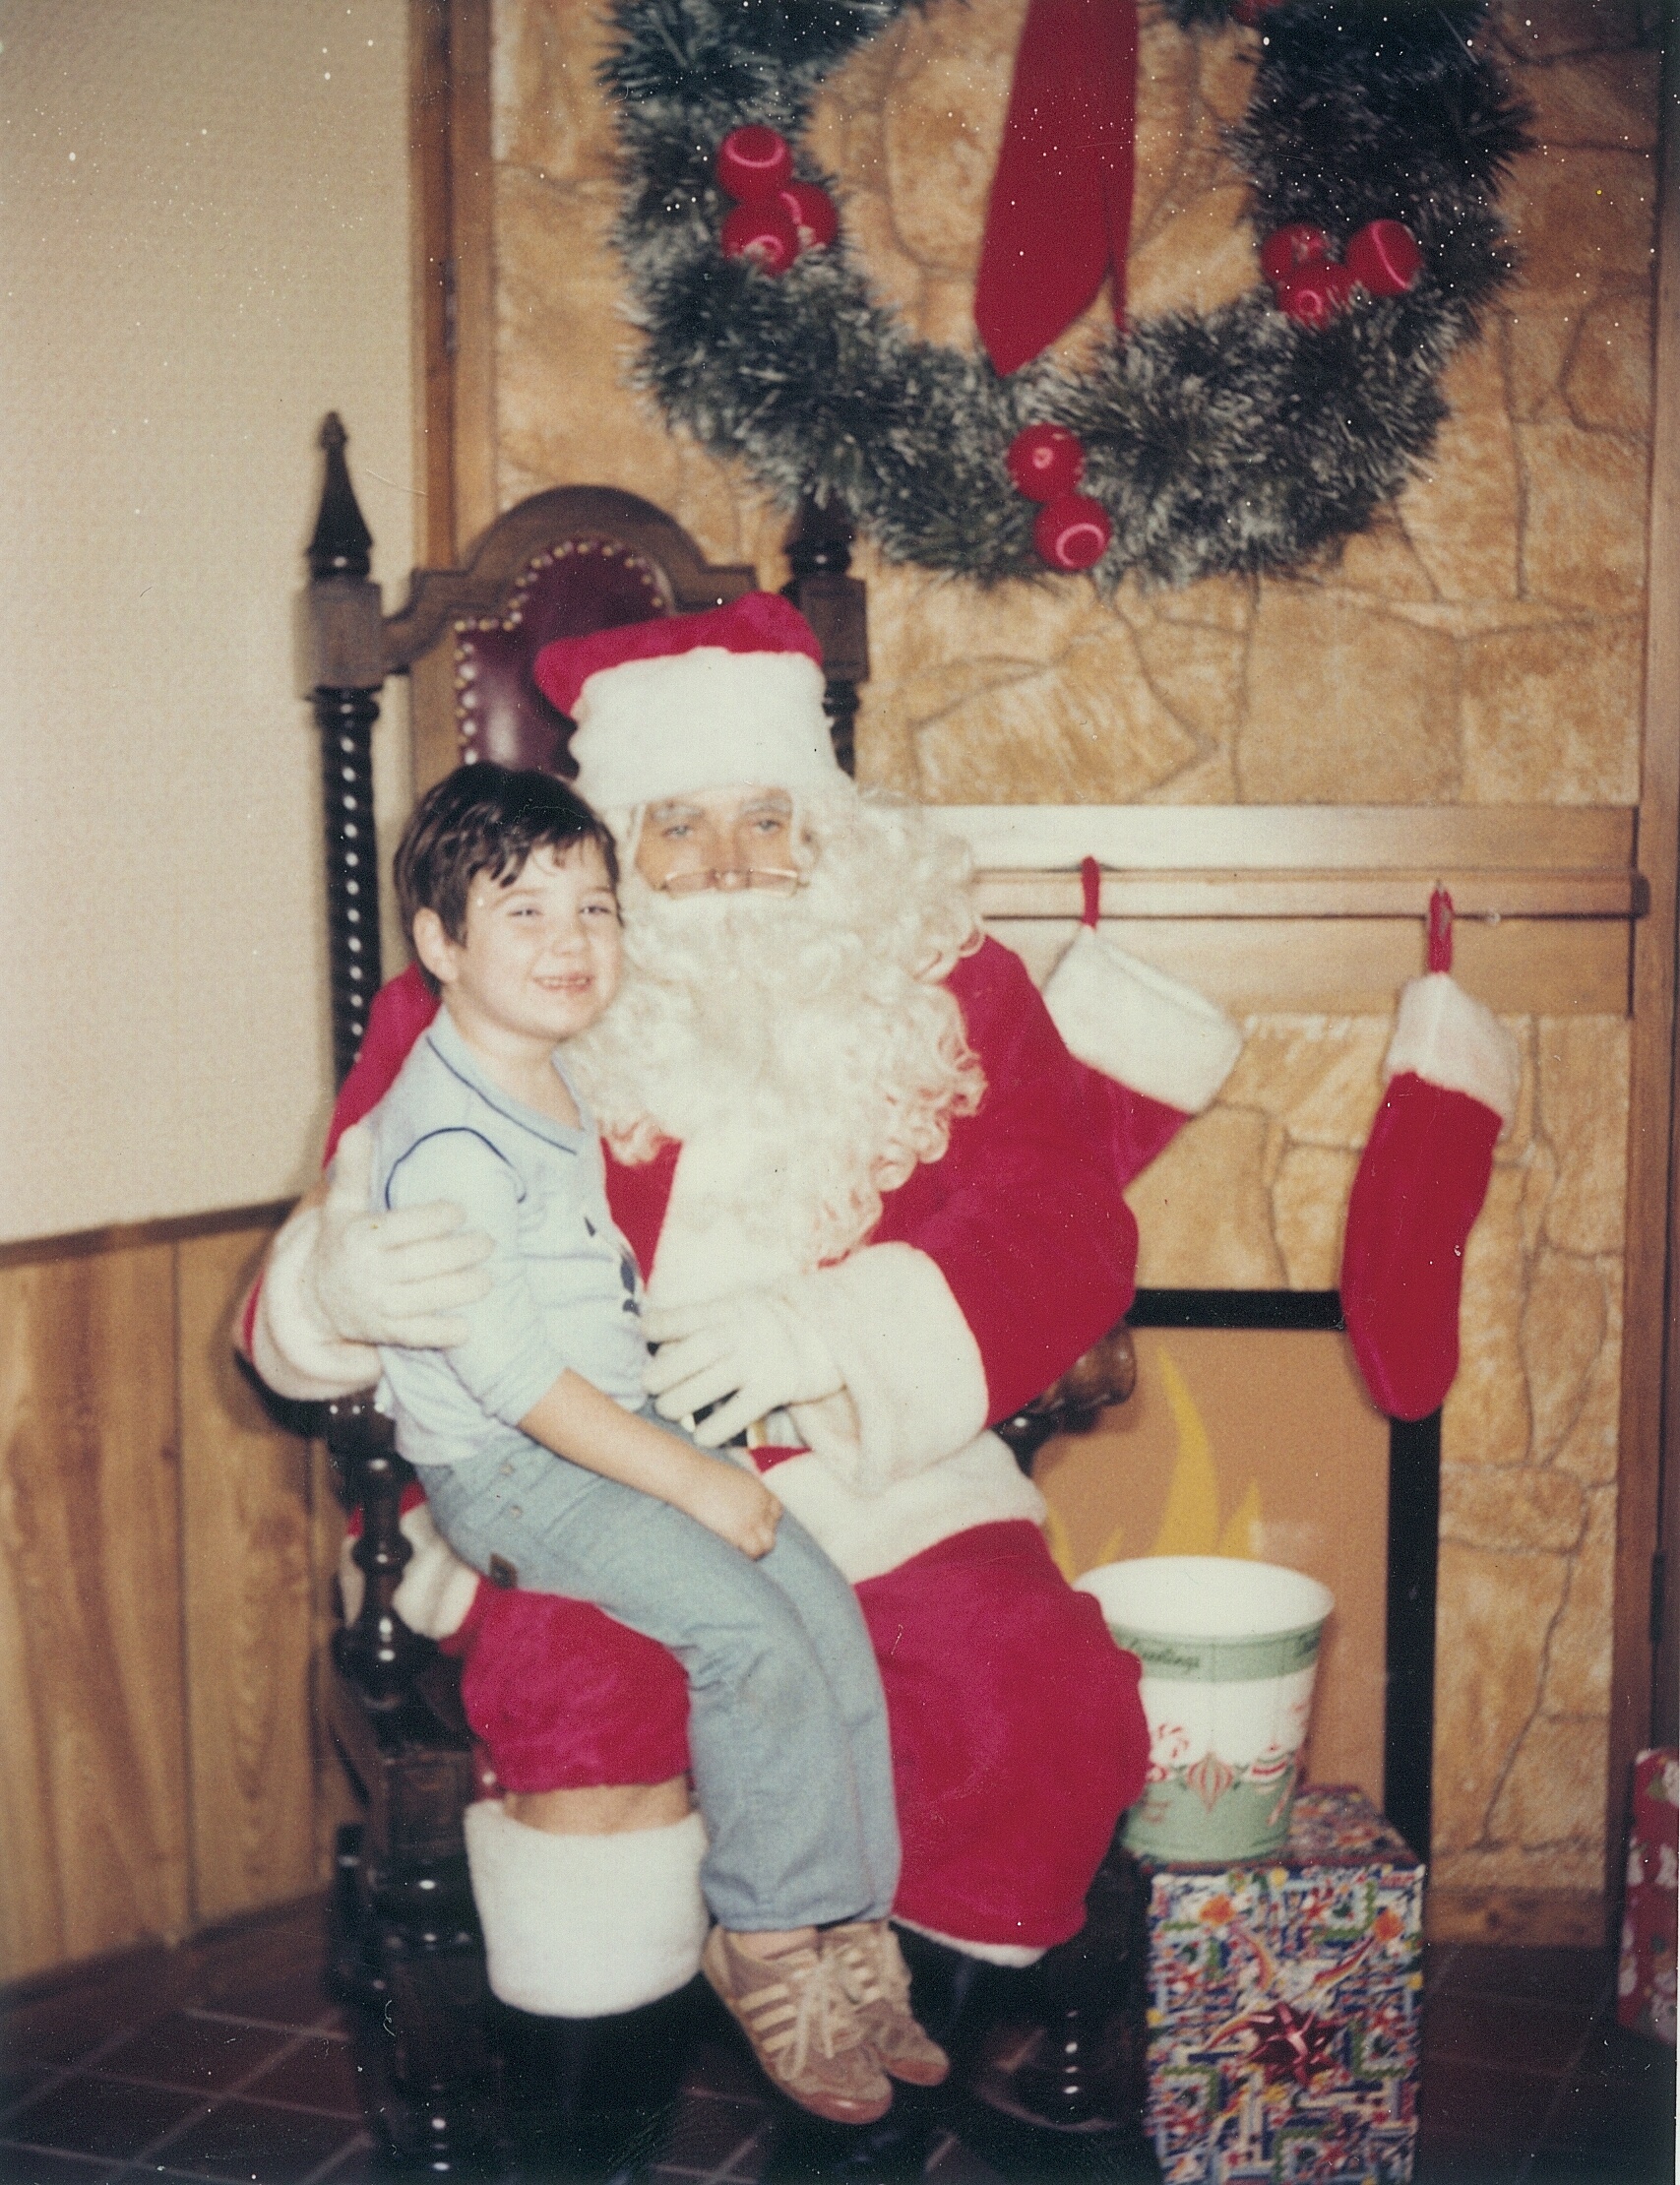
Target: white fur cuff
[[291, 1346], [865, 1535], [911, 1364], [1449, 1039], [1136, 1025], [579, 1925], [992, 1953]]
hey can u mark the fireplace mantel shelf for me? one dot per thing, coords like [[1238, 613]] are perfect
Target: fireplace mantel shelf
[[1322, 907], [1321, 893]]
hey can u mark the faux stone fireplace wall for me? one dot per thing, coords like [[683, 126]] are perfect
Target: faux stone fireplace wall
[[1252, 1195], [1481, 646]]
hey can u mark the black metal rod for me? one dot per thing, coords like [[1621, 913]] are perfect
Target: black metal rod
[[1408, 1717], [1258, 1309]]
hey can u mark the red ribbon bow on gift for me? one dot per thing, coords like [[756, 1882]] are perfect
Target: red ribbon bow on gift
[[1060, 216], [1291, 2045]]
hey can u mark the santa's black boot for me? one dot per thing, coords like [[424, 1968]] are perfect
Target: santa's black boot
[[1063, 2099]]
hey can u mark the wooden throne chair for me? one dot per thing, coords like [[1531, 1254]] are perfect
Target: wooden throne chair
[[470, 2084]]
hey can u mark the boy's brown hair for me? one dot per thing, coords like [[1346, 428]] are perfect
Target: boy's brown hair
[[486, 819]]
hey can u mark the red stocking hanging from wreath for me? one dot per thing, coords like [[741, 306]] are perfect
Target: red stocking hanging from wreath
[[1060, 216]]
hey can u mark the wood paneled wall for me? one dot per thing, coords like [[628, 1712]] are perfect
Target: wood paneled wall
[[165, 1557]]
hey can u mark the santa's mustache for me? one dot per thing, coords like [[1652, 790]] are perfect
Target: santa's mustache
[[748, 927]]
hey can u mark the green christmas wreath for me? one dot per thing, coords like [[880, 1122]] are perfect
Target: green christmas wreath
[[1237, 440]]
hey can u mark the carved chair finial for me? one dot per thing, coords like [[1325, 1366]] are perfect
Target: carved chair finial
[[343, 545]]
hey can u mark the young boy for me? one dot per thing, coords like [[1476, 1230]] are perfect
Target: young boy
[[545, 1466]]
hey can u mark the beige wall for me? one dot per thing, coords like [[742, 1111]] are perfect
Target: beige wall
[[207, 249]]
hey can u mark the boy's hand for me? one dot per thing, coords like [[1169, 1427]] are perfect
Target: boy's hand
[[736, 1505]]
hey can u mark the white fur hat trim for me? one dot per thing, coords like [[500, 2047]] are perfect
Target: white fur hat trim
[[1449, 1039], [704, 720], [1140, 1027], [579, 1925]]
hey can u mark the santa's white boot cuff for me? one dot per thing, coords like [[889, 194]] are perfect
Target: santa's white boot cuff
[[579, 1925]]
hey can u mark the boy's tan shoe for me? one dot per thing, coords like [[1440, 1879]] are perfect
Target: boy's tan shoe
[[873, 1972], [803, 2028]]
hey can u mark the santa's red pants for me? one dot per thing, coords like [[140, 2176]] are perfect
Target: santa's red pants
[[1018, 1735]]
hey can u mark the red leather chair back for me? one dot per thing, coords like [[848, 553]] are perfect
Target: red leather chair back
[[565, 563], [572, 590]]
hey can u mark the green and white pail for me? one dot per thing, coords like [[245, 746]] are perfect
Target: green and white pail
[[1230, 1648]]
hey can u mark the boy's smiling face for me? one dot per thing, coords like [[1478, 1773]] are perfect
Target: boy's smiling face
[[540, 958]]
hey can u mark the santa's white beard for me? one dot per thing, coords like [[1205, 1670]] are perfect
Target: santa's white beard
[[793, 1038]]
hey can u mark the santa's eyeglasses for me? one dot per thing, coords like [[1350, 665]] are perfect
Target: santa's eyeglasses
[[764, 881]]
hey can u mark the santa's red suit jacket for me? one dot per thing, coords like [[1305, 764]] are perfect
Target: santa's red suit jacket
[[1017, 1731]]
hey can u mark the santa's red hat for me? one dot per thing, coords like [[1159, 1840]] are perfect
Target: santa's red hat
[[731, 697]]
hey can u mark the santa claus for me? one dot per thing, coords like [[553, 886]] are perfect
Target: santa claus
[[878, 1202]]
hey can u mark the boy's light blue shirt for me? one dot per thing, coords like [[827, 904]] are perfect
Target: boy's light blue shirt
[[565, 1289]]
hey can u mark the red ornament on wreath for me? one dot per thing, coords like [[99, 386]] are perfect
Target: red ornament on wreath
[[1046, 462], [1288, 248], [754, 163], [1073, 532], [812, 211], [1383, 258], [1313, 295], [764, 232]]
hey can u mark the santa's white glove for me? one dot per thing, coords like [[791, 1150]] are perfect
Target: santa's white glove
[[754, 1349], [393, 1277], [339, 1279]]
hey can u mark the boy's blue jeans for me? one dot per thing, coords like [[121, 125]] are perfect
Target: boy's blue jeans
[[788, 1726]]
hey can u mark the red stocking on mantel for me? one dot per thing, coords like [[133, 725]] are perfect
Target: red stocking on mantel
[[1454, 1071]]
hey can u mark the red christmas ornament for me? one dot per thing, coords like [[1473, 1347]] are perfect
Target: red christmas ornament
[[1298, 244], [1312, 295], [1383, 258], [1073, 532], [764, 232], [754, 163], [812, 211], [1046, 462]]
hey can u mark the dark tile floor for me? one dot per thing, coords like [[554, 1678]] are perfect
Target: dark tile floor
[[227, 2060]]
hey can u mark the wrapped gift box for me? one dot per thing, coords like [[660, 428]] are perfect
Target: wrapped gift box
[[1645, 1985], [1283, 2006]]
